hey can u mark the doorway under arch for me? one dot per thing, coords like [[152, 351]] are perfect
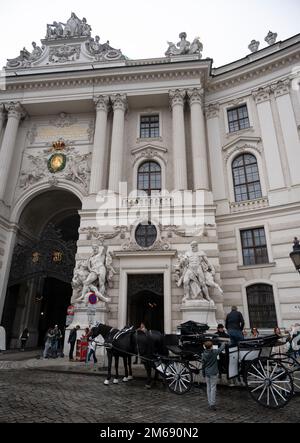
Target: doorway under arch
[[39, 288]]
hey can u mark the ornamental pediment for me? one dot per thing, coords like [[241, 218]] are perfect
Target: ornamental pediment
[[240, 142], [64, 44], [149, 152]]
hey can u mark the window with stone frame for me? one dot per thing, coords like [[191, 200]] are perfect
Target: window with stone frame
[[149, 126], [146, 235], [238, 118], [246, 179], [254, 247], [261, 306], [149, 178]]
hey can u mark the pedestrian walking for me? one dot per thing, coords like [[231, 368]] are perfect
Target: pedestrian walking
[[72, 341], [210, 371], [23, 338], [235, 325], [48, 342], [92, 348]]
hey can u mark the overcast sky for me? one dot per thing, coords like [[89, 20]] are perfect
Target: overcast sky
[[141, 28]]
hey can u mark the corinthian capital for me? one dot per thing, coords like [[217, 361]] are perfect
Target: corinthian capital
[[15, 110], [119, 101], [177, 97], [212, 110], [262, 94], [102, 103], [196, 96], [281, 88]]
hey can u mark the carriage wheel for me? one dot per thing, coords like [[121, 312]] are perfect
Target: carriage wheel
[[269, 383], [178, 377], [292, 366]]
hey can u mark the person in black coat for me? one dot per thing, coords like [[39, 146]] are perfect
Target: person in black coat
[[72, 341], [235, 325]]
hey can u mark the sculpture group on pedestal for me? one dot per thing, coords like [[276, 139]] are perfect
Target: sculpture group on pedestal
[[184, 47], [197, 275], [73, 28], [93, 275]]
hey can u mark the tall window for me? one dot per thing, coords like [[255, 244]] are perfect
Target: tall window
[[246, 178], [254, 246], [149, 126], [149, 177], [238, 118], [261, 306]]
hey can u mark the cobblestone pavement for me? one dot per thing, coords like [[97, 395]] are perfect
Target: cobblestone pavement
[[37, 395]]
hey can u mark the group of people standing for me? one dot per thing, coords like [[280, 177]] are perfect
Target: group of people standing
[[53, 343]]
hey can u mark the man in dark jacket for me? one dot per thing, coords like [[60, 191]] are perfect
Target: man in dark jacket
[[235, 325], [72, 341]]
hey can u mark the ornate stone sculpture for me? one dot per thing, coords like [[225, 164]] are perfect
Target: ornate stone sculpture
[[73, 28], [196, 274], [21, 61], [64, 53], [254, 46], [103, 52], [93, 275], [36, 53], [184, 47], [271, 38]]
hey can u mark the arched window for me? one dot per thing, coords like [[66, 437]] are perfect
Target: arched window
[[246, 178], [149, 177], [261, 306]]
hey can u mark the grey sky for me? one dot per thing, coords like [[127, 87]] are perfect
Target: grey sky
[[141, 29]]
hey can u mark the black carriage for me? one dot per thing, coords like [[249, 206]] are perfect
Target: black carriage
[[269, 378]]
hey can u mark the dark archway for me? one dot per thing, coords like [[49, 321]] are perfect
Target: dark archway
[[146, 301], [39, 288]]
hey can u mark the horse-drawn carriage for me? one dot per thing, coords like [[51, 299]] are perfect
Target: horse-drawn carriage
[[271, 379]]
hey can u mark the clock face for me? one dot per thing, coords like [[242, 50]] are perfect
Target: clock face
[[57, 162]]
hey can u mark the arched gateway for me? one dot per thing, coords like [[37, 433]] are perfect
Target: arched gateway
[[39, 287]]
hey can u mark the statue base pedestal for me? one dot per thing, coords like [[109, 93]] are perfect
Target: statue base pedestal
[[86, 317], [200, 311]]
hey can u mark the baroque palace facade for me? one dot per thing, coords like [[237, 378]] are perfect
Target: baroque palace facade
[[78, 117]]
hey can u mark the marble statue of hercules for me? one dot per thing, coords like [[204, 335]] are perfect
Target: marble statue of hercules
[[97, 270]]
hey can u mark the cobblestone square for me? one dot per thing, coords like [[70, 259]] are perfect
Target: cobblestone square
[[47, 396]]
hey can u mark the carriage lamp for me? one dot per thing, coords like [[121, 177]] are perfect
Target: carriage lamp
[[295, 257]]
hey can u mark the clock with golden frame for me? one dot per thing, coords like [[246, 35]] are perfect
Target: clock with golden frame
[[57, 161]]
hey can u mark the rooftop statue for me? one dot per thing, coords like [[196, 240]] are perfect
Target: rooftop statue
[[184, 47], [73, 28]]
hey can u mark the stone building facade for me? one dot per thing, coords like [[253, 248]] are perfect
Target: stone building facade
[[78, 117]]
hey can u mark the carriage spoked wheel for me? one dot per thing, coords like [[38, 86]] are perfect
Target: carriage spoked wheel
[[178, 377], [292, 366], [269, 383]]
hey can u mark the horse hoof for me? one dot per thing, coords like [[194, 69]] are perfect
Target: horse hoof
[[125, 380], [130, 378], [116, 381], [106, 383], [148, 386]]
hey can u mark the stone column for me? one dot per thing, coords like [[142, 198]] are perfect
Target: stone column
[[179, 148], [215, 152], [2, 118], [8, 144], [199, 149], [289, 127], [117, 144], [98, 166], [270, 142]]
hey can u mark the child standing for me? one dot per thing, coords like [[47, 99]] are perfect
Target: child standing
[[210, 371]]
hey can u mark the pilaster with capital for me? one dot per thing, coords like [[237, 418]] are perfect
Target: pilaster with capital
[[14, 114], [262, 97], [199, 149], [98, 166], [288, 122], [119, 103], [177, 101]]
